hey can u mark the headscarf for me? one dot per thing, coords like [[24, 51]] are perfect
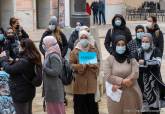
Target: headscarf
[[148, 35], [79, 46], [51, 46], [121, 57]]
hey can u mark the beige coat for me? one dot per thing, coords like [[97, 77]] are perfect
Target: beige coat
[[85, 75], [131, 100]]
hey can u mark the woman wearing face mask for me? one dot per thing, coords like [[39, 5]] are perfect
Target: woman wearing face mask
[[122, 73], [119, 27], [52, 68], [135, 44], [19, 32], [14, 34], [22, 91], [85, 83], [150, 81], [55, 31], [153, 28]]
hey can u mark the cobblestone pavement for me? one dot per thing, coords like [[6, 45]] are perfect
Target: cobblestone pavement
[[37, 103]]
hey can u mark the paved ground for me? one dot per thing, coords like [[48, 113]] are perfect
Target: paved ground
[[37, 104]]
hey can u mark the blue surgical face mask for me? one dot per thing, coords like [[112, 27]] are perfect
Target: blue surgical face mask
[[118, 22], [84, 43], [2, 37], [139, 35], [145, 46], [120, 49]]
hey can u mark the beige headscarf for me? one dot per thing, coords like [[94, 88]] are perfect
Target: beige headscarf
[[51, 46]]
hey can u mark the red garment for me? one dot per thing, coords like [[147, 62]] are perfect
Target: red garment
[[88, 9]]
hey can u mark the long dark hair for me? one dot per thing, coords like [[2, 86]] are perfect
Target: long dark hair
[[30, 51]]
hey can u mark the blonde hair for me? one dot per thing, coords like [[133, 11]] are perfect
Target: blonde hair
[[57, 33]]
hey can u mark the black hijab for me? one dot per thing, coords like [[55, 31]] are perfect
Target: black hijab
[[121, 57]]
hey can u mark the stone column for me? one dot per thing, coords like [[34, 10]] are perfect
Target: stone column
[[78, 12]]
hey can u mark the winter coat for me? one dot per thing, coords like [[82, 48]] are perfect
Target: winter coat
[[157, 37], [123, 30], [21, 89], [53, 87], [74, 36], [95, 7], [85, 77]]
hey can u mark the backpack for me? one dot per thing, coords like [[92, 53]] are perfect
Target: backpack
[[37, 79], [67, 72]]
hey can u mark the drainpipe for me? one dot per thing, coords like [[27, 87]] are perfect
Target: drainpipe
[[58, 11]]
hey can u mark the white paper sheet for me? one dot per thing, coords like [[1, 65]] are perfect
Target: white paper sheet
[[115, 96]]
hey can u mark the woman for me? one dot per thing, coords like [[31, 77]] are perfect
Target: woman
[[122, 73], [55, 31], [119, 27], [52, 68], [15, 34], [135, 44], [154, 30], [22, 91], [150, 81], [85, 83]]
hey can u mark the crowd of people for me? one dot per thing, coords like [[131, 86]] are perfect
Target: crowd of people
[[132, 73]]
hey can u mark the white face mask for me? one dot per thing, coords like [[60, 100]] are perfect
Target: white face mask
[[52, 27], [145, 46], [120, 49], [149, 24], [84, 43], [118, 22]]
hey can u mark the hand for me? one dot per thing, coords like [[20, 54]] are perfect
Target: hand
[[115, 87], [3, 54], [141, 62], [127, 82], [93, 66]]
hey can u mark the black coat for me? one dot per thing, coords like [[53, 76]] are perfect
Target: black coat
[[95, 7], [21, 89], [74, 36], [158, 38], [63, 46], [122, 30]]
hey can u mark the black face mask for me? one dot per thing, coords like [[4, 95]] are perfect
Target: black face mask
[[17, 27], [11, 37]]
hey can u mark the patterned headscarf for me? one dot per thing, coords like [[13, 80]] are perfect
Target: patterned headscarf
[[50, 45]]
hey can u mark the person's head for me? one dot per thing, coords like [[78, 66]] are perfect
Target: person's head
[[29, 50], [50, 45], [118, 21], [84, 38], [147, 42], [86, 28], [139, 31], [2, 35], [151, 21], [120, 44], [53, 23], [14, 23], [78, 26], [10, 33]]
